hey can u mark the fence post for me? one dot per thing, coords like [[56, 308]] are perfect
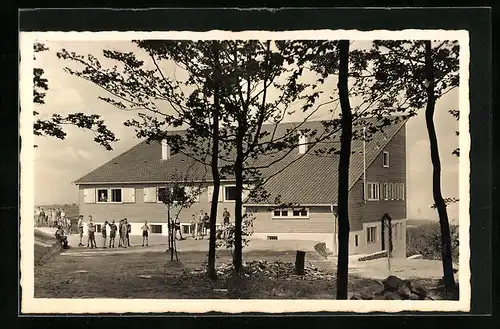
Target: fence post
[[300, 262]]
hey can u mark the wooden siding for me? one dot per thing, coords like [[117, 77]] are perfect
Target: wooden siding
[[371, 211], [320, 220], [141, 211]]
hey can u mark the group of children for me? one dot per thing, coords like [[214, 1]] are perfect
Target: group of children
[[108, 229], [201, 225], [199, 228], [52, 217]]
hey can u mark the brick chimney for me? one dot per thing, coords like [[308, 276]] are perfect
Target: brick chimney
[[165, 150], [303, 140]]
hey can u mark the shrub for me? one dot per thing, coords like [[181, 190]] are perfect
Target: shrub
[[225, 234], [426, 240]]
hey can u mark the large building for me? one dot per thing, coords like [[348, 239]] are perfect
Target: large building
[[129, 186]]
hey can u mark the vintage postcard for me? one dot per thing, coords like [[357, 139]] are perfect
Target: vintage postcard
[[252, 171]]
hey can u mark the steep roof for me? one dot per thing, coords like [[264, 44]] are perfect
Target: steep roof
[[299, 178]]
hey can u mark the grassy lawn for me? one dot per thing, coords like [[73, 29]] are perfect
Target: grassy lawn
[[118, 276]]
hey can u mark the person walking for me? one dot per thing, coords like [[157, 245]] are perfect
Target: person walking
[[145, 233], [80, 229], [112, 233]]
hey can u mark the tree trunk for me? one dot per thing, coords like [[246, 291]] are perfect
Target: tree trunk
[[170, 236], [211, 272], [449, 279], [238, 213], [382, 233], [343, 187]]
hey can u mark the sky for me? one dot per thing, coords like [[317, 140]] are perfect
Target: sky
[[60, 162]]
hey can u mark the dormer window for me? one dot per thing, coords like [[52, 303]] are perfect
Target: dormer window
[[165, 150], [302, 142], [385, 159]]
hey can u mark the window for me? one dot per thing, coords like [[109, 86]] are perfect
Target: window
[[291, 213], [371, 234], [98, 228], [155, 228], [186, 229], [385, 159], [272, 237], [116, 195], [161, 191], [299, 213], [373, 191], [402, 185], [356, 240], [385, 191], [229, 193], [102, 195]]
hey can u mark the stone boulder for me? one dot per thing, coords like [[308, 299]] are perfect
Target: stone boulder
[[392, 283], [394, 288]]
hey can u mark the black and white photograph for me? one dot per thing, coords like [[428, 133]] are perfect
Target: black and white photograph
[[244, 171]]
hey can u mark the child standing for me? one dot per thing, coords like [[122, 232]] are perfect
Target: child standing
[[206, 224], [123, 235], [193, 226], [80, 229], [112, 233], [104, 233], [145, 233], [91, 231]]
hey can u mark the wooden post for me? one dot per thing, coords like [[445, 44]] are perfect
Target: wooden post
[[300, 262]]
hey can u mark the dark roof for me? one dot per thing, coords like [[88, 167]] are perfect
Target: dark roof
[[298, 178]]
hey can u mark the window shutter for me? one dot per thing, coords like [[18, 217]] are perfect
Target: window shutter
[[246, 192], [150, 194], [128, 195], [89, 195], [210, 192], [221, 193]]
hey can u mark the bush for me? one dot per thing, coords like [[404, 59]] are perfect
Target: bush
[[225, 235], [426, 240]]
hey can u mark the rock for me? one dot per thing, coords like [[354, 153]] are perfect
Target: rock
[[419, 290], [404, 292], [417, 256], [356, 297], [414, 297], [145, 276], [376, 255], [366, 294], [390, 295], [392, 283], [321, 249]]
